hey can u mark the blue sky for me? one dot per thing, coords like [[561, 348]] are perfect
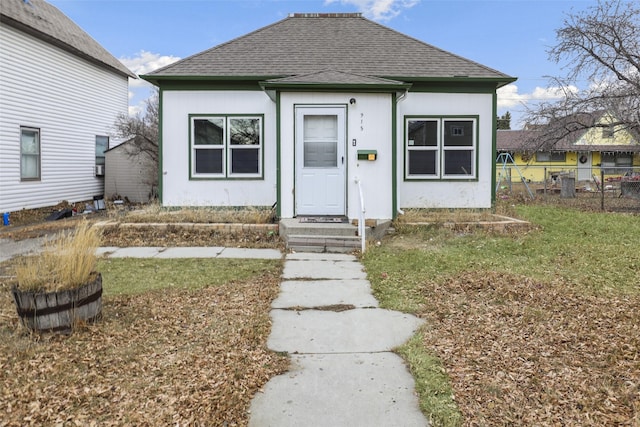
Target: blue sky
[[512, 36]]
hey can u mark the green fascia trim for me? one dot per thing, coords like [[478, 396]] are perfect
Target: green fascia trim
[[227, 177], [494, 137], [160, 150], [335, 87], [451, 88], [495, 82], [278, 158], [394, 156], [444, 117], [155, 79], [208, 85]]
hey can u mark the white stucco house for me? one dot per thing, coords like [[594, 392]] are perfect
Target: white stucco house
[[60, 93], [295, 114]]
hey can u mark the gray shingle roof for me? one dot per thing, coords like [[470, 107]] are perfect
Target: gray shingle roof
[[46, 22], [525, 141], [303, 44]]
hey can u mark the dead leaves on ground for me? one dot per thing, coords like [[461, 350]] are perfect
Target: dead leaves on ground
[[161, 358], [522, 352], [176, 236]]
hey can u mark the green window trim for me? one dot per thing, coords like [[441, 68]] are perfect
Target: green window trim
[[440, 148], [226, 146]]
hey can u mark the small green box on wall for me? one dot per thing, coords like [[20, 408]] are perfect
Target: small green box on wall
[[367, 154]]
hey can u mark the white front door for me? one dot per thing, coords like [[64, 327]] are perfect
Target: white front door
[[320, 161], [584, 166]]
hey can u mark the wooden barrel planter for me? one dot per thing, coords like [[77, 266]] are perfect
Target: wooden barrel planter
[[60, 311]]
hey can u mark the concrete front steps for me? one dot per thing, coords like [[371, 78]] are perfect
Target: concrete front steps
[[326, 237]]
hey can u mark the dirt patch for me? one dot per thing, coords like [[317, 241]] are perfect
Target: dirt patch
[[163, 358], [522, 352]]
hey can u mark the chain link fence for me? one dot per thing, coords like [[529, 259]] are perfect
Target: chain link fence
[[611, 188]]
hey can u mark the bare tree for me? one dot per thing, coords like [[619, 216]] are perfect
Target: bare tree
[[600, 45], [141, 133]]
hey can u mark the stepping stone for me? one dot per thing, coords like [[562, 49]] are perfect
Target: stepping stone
[[316, 293], [329, 269], [351, 331], [339, 390]]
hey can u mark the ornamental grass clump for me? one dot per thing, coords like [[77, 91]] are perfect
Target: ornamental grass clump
[[67, 262]]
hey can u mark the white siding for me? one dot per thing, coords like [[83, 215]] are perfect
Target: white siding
[[71, 101], [369, 123], [176, 187], [457, 193], [128, 177]]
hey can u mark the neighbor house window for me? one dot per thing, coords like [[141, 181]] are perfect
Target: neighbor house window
[[102, 145], [607, 131], [29, 153], [551, 156], [439, 148], [226, 146], [616, 163]]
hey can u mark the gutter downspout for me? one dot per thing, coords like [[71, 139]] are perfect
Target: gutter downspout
[[399, 98]]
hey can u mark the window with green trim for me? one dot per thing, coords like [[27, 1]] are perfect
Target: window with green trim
[[440, 148], [226, 146]]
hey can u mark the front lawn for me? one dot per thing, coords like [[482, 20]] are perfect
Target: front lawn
[[532, 328], [182, 342]]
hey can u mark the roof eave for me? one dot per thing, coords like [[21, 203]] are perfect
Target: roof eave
[[64, 46], [498, 81], [369, 87]]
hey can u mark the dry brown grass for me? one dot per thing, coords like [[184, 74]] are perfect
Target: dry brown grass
[[170, 357], [523, 352], [441, 216], [65, 263], [156, 213]]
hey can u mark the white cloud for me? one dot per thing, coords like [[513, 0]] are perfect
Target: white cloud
[[145, 62], [142, 63], [508, 95], [378, 10]]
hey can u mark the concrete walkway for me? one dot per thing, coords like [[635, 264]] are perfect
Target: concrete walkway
[[340, 342], [188, 252], [343, 371]]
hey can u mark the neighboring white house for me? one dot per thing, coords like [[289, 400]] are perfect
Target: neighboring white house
[[60, 94], [130, 177], [295, 114]]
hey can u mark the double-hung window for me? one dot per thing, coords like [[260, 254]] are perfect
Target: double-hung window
[[551, 156], [102, 145], [616, 163], [440, 148], [226, 146], [29, 153]]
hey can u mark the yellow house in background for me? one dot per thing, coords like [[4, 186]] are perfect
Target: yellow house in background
[[585, 153]]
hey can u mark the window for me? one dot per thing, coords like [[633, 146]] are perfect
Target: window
[[226, 146], [440, 148], [551, 156], [616, 163], [607, 131], [29, 153], [102, 145]]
